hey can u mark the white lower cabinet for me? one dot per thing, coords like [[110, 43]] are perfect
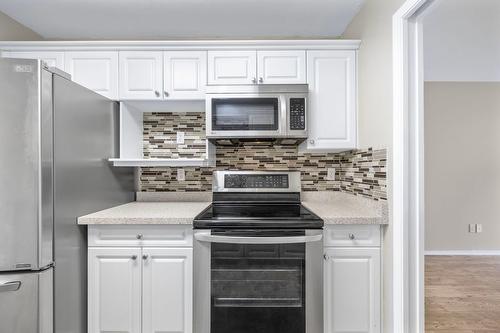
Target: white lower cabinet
[[140, 289], [352, 290], [114, 293]]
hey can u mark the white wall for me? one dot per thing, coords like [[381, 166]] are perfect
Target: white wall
[[13, 30], [462, 41], [373, 25], [462, 165]]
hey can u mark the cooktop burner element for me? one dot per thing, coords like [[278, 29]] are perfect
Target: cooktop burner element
[[257, 200]]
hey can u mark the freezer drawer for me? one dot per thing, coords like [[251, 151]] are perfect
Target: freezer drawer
[[26, 302]]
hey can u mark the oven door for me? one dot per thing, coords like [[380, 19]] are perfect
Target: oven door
[[246, 115], [250, 281]]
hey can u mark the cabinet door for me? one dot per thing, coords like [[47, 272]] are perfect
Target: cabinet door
[[167, 290], [185, 74], [114, 290], [232, 67], [52, 59], [141, 75], [281, 67], [352, 290], [97, 71], [331, 76]]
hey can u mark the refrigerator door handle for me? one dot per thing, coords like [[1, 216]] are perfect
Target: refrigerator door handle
[[10, 286]]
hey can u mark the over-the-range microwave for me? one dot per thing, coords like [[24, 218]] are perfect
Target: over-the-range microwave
[[257, 111]]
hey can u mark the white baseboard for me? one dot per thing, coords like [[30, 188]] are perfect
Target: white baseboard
[[463, 253]]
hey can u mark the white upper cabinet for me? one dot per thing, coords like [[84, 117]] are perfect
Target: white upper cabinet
[[141, 75], [352, 290], [114, 284], [331, 75], [232, 67], [281, 67], [185, 74], [52, 59], [97, 71], [167, 290]]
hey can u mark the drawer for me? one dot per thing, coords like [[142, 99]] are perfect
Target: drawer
[[351, 235], [140, 235]]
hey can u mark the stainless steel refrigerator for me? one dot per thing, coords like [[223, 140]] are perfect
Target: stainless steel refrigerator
[[55, 139]]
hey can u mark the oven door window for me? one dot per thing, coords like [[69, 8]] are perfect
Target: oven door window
[[258, 288], [245, 114]]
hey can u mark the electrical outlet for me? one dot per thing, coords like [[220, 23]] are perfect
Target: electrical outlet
[[181, 175], [479, 228], [472, 228], [180, 138], [330, 174]]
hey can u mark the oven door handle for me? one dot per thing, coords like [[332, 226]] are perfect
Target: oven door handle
[[257, 240]]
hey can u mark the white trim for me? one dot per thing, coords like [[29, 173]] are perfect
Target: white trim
[[163, 45], [463, 253], [408, 311]]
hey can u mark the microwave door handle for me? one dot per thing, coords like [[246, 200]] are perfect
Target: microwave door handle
[[284, 115], [257, 240]]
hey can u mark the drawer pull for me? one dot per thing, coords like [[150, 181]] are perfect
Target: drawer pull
[[139, 236], [352, 237]]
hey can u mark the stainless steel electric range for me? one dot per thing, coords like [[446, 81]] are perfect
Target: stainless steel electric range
[[258, 257]]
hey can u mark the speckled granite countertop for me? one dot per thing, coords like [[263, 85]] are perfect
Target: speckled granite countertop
[[345, 208], [169, 208]]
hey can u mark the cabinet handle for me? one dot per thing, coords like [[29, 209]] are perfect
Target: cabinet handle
[[134, 257], [166, 93], [157, 93], [254, 80], [139, 236], [145, 257], [352, 237], [261, 80], [325, 256]]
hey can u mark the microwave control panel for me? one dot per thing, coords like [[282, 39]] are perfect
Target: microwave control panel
[[297, 114]]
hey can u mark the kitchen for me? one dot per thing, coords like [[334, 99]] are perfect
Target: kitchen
[[193, 186]]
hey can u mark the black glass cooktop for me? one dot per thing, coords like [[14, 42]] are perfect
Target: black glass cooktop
[[257, 215]]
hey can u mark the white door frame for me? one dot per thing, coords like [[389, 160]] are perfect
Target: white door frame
[[408, 171]]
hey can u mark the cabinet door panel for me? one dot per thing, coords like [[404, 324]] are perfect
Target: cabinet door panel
[[352, 290], [141, 75], [167, 290], [232, 67], [114, 294], [52, 59], [331, 76], [185, 74], [97, 71], [281, 67]]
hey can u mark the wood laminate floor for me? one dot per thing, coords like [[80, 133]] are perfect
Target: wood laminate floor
[[462, 294]]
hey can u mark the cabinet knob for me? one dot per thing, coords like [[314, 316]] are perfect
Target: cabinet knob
[[261, 80], [254, 80], [157, 93], [325, 256], [144, 256], [352, 237], [139, 236], [134, 257], [166, 93], [311, 141]]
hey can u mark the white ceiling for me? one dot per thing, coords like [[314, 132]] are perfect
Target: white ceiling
[[167, 19], [462, 41]]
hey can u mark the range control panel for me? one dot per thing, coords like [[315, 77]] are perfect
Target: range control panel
[[256, 181], [297, 114]]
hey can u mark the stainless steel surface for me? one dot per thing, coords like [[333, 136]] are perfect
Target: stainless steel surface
[[85, 126], [26, 302], [314, 282], [293, 181], [23, 173], [282, 92], [257, 240]]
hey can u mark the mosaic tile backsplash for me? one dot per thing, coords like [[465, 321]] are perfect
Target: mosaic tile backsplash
[[361, 172]]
